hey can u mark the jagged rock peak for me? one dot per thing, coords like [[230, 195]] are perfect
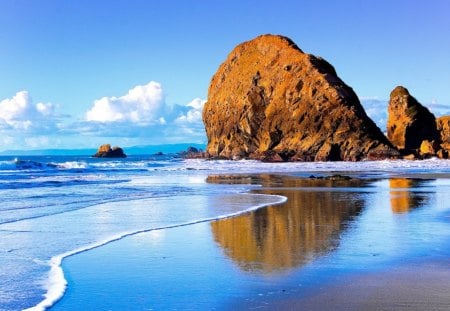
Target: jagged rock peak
[[271, 101], [399, 91], [409, 123]]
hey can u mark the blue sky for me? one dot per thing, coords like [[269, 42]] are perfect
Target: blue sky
[[76, 74]]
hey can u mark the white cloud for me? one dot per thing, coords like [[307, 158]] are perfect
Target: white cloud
[[194, 114], [141, 105], [19, 113], [139, 117], [376, 109], [438, 109], [47, 109], [143, 113], [37, 141]]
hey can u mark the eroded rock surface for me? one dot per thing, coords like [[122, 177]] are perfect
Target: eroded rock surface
[[409, 124], [443, 126], [270, 100]]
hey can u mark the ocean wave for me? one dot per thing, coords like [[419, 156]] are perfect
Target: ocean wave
[[32, 165], [70, 165], [77, 165], [243, 166], [56, 282], [432, 165], [17, 164]]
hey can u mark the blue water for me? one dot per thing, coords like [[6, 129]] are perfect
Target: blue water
[[54, 207]]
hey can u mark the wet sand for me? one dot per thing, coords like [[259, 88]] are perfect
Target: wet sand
[[359, 244], [414, 287]]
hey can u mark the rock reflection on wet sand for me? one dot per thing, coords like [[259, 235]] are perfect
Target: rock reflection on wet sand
[[307, 225], [359, 225], [402, 198]]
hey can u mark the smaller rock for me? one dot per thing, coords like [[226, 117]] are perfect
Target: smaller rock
[[429, 148], [443, 126], [411, 156], [334, 177], [338, 177], [409, 122], [191, 149], [105, 151], [194, 153]]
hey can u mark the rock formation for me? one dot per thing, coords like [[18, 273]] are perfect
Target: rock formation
[[271, 101], [193, 153], [105, 151], [410, 126], [443, 126]]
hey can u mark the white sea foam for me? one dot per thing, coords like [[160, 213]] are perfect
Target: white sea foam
[[56, 284], [249, 166], [242, 166], [73, 165]]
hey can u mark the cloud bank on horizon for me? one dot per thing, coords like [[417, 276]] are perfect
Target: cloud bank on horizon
[[141, 116]]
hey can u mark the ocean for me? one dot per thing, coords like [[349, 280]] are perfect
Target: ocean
[[57, 207]]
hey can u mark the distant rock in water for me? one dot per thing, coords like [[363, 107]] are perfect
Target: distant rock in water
[[411, 127], [105, 151], [192, 150], [193, 153], [271, 101]]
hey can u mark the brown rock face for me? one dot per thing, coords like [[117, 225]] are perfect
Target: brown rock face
[[443, 126], [105, 151], [270, 98], [409, 123], [429, 148]]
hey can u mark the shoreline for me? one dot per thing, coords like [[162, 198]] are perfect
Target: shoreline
[[285, 303], [281, 266], [56, 285]]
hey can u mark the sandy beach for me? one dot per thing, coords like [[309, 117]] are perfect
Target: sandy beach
[[422, 286], [358, 244]]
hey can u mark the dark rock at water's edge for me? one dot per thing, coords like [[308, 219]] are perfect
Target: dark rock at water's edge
[[270, 101], [105, 151], [413, 129], [332, 177], [443, 125], [411, 126], [194, 153]]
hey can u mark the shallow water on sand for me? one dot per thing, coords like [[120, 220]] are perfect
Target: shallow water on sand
[[326, 233]]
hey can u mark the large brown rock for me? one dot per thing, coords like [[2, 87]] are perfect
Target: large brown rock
[[270, 97], [409, 123]]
